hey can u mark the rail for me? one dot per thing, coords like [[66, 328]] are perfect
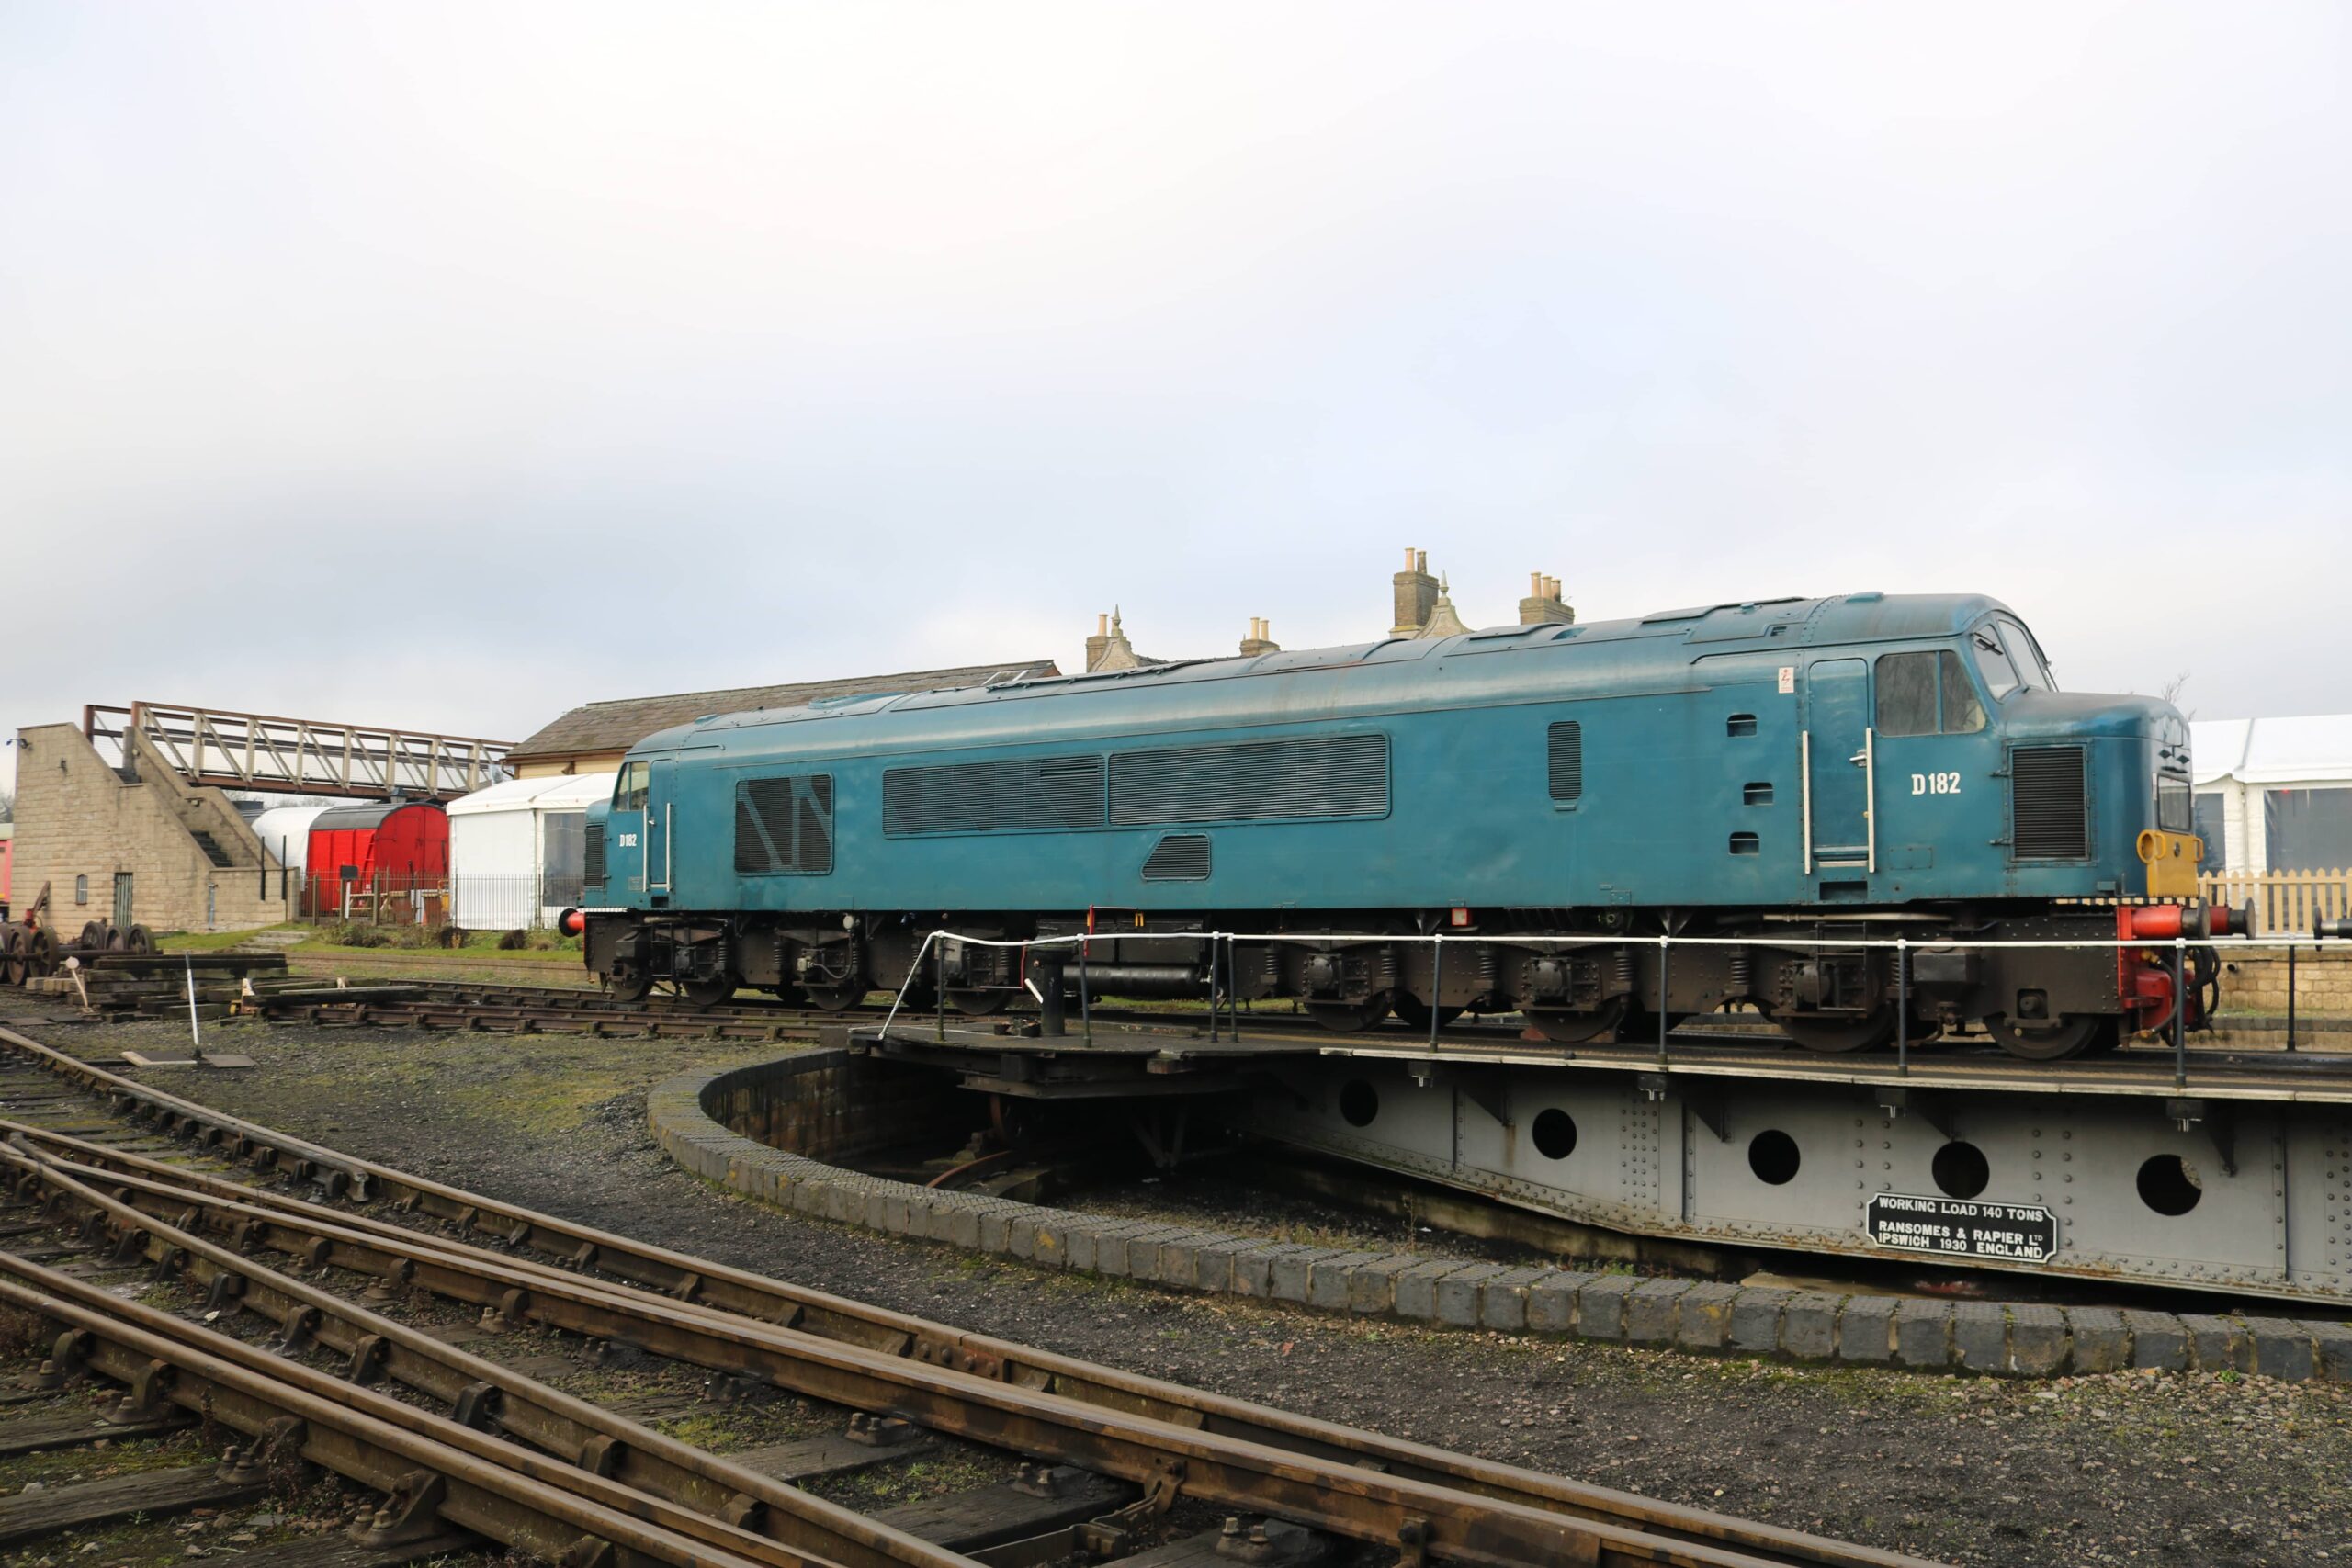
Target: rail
[[1174, 1443]]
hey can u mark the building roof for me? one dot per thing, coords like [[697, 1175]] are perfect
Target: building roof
[[620, 724], [562, 791], [2312, 749]]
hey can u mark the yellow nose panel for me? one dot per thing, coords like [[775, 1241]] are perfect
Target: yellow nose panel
[[2171, 860]]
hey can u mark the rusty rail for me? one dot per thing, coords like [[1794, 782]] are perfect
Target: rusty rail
[[614, 1456], [420, 1461], [1360, 1485]]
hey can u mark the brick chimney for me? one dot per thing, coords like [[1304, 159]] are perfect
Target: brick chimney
[[1261, 638], [1544, 604], [1416, 594]]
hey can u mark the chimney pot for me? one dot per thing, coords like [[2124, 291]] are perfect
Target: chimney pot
[[1409, 557], [1421, 562]]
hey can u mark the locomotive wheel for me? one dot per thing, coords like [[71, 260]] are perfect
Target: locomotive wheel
[[1016, 1122], [1835, 1036], [2055, 1042], [142, 939], [1564, 1026], [1416, 1012], [118, 939], [40, 953], [703, 994], [1347, 1018], [978, 1004], [631, 990], [94, 935], [836, 998], [12, 955]]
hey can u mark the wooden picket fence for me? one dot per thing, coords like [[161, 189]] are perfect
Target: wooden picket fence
[[2285, 902]]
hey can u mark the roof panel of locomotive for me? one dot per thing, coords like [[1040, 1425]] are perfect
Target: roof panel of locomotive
[[1602, 658]]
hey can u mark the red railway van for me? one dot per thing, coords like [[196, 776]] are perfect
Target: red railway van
[[376, 848]]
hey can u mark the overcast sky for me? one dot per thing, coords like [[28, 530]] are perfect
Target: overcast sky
[[449, 366]]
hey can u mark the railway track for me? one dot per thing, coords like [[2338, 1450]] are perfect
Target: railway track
[[1106, 1464]]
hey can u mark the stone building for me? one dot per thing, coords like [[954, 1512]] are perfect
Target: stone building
[[1424, 604], [593, 738], [1109, 649], [134, 845]]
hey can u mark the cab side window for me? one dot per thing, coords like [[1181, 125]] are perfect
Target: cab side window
[[629, 794], [1907, 693], [1926, 693], [1963, 713]]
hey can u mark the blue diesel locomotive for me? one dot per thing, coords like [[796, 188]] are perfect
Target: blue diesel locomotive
[[1780, 775]]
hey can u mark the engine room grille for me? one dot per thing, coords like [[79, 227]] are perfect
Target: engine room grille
[[2050, 803], [1564, 754], [1179, 857], [1324, 775], [591, 855], [785, 825], [991, 798]]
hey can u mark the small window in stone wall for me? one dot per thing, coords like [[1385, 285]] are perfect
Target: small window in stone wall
[[81, 890]]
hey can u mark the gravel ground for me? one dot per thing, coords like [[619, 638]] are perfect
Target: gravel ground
[[2217, 1472]]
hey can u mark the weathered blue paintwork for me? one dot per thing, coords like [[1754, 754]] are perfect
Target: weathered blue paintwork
[[1666, 784]]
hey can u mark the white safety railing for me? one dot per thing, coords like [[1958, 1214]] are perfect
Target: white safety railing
[[1222, 987]]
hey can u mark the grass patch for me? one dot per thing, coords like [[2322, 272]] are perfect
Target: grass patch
[[127, 1457], [210, 941], [958, 1468]]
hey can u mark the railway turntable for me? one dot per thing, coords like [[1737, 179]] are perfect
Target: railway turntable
[[2213, 1170]]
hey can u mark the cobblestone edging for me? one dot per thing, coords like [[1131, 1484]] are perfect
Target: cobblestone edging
[[2016, 1340]]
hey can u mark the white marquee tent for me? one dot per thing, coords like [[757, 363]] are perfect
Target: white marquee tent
[[2274, 794], [516, 849]]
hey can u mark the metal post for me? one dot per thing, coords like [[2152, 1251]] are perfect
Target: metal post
[[1053, 1016], [1902, 1009], [1233, 988], [939, 986], [2180, 1012], [2290, 996], [1437, 983], [1085, 1003], [1213, 989], [1665, 960]]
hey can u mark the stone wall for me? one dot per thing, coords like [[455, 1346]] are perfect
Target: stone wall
[[78, 818], [832, 1105], [2323, 984], [689, 1118]]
